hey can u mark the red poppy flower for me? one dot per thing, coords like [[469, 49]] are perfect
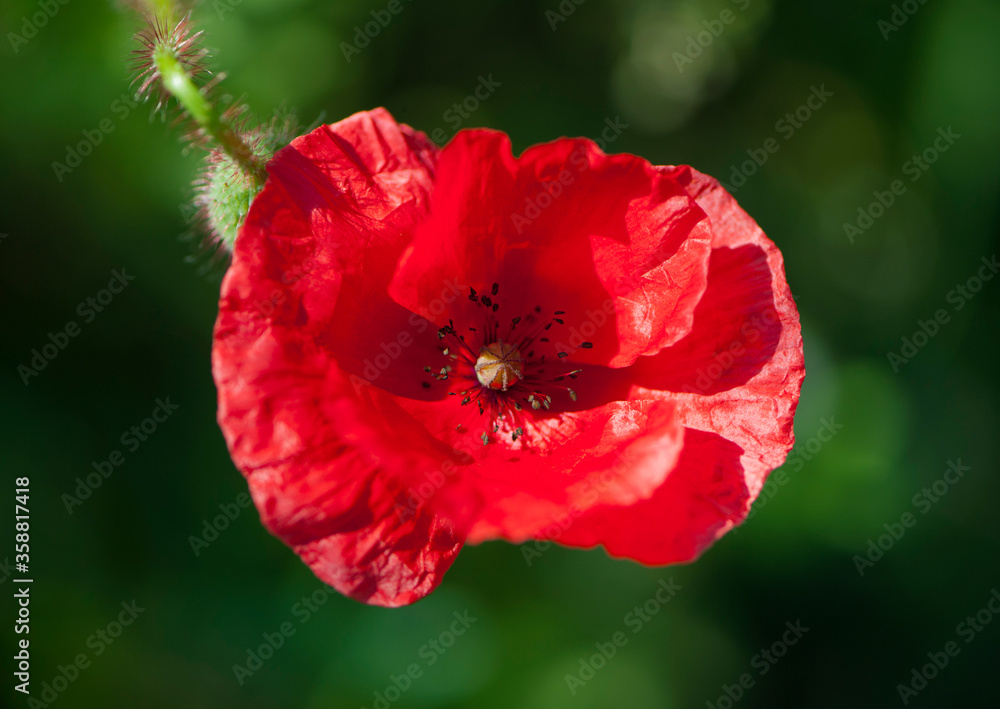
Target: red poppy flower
[[418, 347]]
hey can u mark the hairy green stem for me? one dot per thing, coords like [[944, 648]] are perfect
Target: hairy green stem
[[178, 82]]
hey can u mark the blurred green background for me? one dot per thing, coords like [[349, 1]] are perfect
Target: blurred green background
[[563, 70]]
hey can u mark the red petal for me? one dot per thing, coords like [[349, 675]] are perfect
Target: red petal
[[701, 499], [735, 378], [753, 402], [616, 454], [617, 245], [736, 332], [320, 242]]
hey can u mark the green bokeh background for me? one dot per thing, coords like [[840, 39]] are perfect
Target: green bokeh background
[[610, 59]]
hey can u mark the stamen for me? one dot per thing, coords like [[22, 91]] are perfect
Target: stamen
[[503, 381]]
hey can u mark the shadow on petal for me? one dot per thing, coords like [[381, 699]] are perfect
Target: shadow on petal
[[736, 330]]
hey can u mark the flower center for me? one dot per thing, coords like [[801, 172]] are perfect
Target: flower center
[[485, 360], [500, 366]]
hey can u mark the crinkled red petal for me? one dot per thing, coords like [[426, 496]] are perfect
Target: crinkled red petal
[[616, 245], [328, 471], [735, 379]]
